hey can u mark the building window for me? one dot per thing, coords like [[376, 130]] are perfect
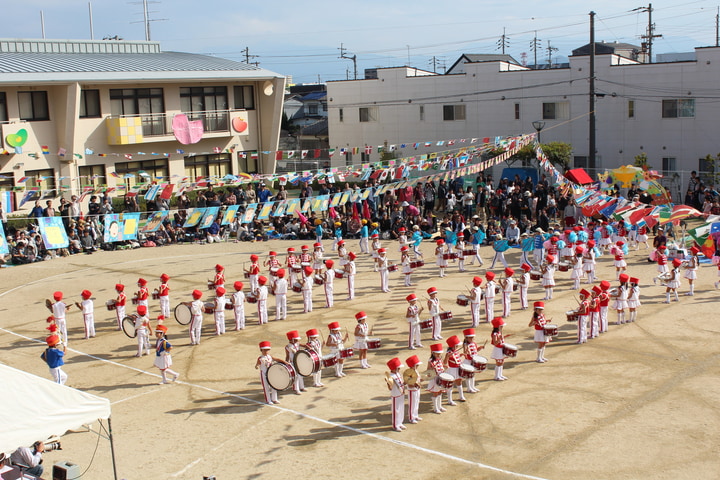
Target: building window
[[422, 113], [145, 102], [244, 97], [312, 109], [669, 165], [517, 111], [583, 162], [368, 114], [348, 158], [556, 110], [33, 106], [42, 179], [155, 168], [89, 103], [207, 166], [92, 175], [208, 104], [341, 115], [3, 107], [324, 106], [453, 112], [678, 108], [631, 108]]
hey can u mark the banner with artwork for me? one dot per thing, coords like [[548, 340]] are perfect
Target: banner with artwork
[[209, 217], [249, 213], [154, 221], [131, 222], [113, 228], [194, 218], [53, 232], [4, 248], [229, 215]]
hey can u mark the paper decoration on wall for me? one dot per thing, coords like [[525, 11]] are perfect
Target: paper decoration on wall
[[131, 222], [113, 228], [239, 124], [154, 221], [194, 217], [17, 139], [187, 131], [53, 232], [209, 217], [229, 215]]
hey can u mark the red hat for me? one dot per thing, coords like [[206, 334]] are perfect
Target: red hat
[[439, 241], [291, 250], [436, 348], [662, 247], [219, 291], [219, 267], [329, 263], [539, 305], [411, 298], [550, 259], [119, 287], [238, 286], [254, 258], [579, 250], [273, 254], [677, 262], [58, 296], [509, 272], [624, 277], [334, 326], [262, 280], [694, 250], [265, 345], [584, 293], [53, 328], [360, 316], [469, 332], [352, 256], [477, 281], [312, 333], [579, 242], [292, 335], [605, 285], [553, 239], [340, 242], [50, 319], [498, 322], [591, 243], [619, 243], [596, 289], [142, 310], [567, 232], [453, 341], [197, 294], [52, 340], [526, 266], [404, 248], [634, 280], [161, 318], [308, 270], [164, 277], [142, 281], [161, 328], [413, 361], [394, 363], [431, 290], [490, 276], [86, 294], [401, 229], [304, 247], [281, 273], [577, 228], [318, 244], [381, 250]]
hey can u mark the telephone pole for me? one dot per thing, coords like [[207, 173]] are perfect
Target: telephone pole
[[503, 42], [246, 54], [650, 31], [535, 45], [550, 51], [348, 57], [591, 133]]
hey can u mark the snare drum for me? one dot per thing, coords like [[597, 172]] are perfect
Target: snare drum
[[110, 304], [479, 362], [128, 325], [155, 295], [209, 307], [563, 266], [535, 274], [329, 360], [392, 268], [466, 371], [305, 264], [211, 285], [510, 350], [318, 280], [571, 316], [280, 376], [297, 287], [550, 330], [447, 256], [245, 274], [374, 343], [462, 300], [183, 314], [417, 264], [426, 324], [229, 306], [306, 362], [346, 353], [468, 253], [251, 298], [445, 315], [515, 287], [445, 380], [274, 271], [296, 268], [339, 273], [134, 300]]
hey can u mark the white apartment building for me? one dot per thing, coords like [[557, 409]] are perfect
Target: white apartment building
[[670, 111], [91, 112]]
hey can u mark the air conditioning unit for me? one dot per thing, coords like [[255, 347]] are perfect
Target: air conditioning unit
[[65, 471]]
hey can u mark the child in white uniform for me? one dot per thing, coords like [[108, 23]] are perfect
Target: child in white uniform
[[238, 301], [88, 310], [219, 313]]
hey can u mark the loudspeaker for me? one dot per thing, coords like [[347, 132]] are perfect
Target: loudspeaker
[[65, 471]]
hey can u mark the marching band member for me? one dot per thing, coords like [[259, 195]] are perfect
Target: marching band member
[[328, 282], [548, 276], [539, 321], [440, 259], [307, 285], [262, 296], [290, 263], [566, 252], [434, 308], [642, 237], [305, 257], [489, 296], [583, 311], [53, 356], [405, 262], [397, 394], [411, 377], [436, 367], [475, 296], [364, 237], [674, 281], [142, 331], [273, 265], [342, 253], [87, 307], [523, 284], [196, 317], [498, 341], [381, 263], [290, 350], [253, 272], [238, 301], [662, 260], [164, 295], [143, 293], [316, 346], [621, 298], [335, 342], [413, 318], [337, 235], [163, 359], [500, 246], [470, 348], [361, 334], [507, 289], [317, 256], [350, 274], [119, 304], [263, 363], [219, 280], [453, 360], [589, 261], [219, 313], [577, 265], [634, 298], [691, 268], [619, 253], [595, 311], [375, 246], [280, 292], [459, 251], [552, 249], [604, 305]]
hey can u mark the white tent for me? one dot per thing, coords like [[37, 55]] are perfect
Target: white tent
[[33, 408]]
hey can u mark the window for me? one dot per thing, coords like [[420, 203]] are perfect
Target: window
[[244, 97], [583, 162], [89, 103], [668, 165], [348, 158], [43, 179], [341, 115], [453, 112], [422, 113], [324, 106], [147, 102], [368, 114], [207, 165], [33, 106], [556, 111], [154, 168], [208, 104], [631, 108], [680, 108], [312, 109], [92, 175], [517, 111], [3, 107]]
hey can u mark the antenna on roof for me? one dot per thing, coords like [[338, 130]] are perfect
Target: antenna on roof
[[90, 19], [42, 23], [146, 17]]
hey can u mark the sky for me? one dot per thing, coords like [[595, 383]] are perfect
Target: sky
[[303, 39]]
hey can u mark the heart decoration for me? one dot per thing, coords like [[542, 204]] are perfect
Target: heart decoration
[[17, 139], [239, 124]]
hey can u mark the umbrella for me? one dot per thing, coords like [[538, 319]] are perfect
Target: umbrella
[[626, 175]]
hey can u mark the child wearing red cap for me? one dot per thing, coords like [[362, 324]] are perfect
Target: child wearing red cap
[[264, 361], [315, 345], [163, 359], [336, 343], [548, 276], [412, 315], [413, 383], [453, 359], [538, 321], [633, 298], [280, 290], [342, 253], [691, 268], [662, 259], [498, 341], [253, 273], [219, 313], [219, 280], [621, 296], [381, 263], [375, 246], [317, 256], [328, 276], [577, 265], [589, 261], [273, 265], [120, 304], [583, 313], [642, 237], [143, 292], [489, 296], [476, 295], [459, 249], [470, 349], [595, 311], [58, 309], [604, 299], [290, 350], [619, 253], [507, 289], [262, 296], [290, 262], [524, 284], [440, 259], [164, 295], [196, 317], [673, 282], [435, 368], [435, 308], [54, 357], [350, 271], [405, 262], [142, 331], [306, 289], [238, 302], [362, 330], [87, 307], [397, 393]]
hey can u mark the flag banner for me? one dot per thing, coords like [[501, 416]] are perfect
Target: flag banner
[[265, 211], [4, 248], [229, 215], [131, 223], [292, 205], [53, 233], [249, 213], [113, 228]]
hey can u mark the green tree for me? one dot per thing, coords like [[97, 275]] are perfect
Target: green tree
[[559, 154], [642, 161], [712, 166]]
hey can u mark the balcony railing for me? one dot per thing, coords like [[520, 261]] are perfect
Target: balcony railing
[[158, 124]]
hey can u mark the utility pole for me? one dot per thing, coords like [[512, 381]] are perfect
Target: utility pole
[[650, 31], [347, 57], [591, 136], [535, 45], [717, 28], [433, 62], [146, 17], [246, 53], [550, 51], [503, 42]]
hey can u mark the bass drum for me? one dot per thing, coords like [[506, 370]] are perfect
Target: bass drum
[[280, 376], [128, 325], [183, 314], [306, 362]]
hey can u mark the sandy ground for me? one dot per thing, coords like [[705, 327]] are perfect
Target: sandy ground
[[638, 402]]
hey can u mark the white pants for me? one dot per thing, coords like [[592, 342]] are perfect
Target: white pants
[[414, 335], [413, 404], [489, 308], [603, 319], [436, 327], [351, 286], [307, 300], [594, 324], [299, 383], [262, 312], [254, 285], [506, 304], [165, 306], [269, 392], [384, 278], [475, 313], [239, 312], [195, 329], [329, 295], [280, 306], [499, 256], [58, 375], [143, 342], [398, 411], [119, 314], [523, 297], [219, 322], [582, 328], [89, 321]]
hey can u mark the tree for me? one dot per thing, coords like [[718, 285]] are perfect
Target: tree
[[559, 154], [712, 166], [642, 161], [525, 155]]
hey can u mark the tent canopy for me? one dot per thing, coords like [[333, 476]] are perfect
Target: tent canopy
[[33, 408], [579, 176]]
